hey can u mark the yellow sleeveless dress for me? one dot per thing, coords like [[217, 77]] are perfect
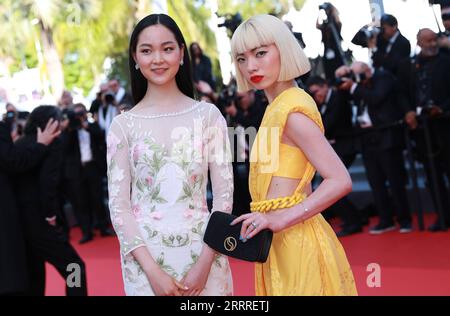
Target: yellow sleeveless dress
[[307, 258]]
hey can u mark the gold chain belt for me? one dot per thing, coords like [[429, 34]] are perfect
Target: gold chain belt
[[274, 204]]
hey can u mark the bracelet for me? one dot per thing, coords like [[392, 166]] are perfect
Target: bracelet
[[305, 211]]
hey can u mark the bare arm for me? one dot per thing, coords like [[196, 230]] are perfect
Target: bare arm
[[337, 183], [336, 180]]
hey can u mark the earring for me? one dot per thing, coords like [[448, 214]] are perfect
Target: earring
[[136, 66], [181, 63]]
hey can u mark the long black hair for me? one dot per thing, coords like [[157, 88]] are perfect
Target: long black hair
[[183, 77], [39, 118]]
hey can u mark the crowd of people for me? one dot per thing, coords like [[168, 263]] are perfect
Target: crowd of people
[[41, 181]]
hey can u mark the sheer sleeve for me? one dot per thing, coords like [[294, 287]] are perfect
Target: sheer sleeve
[[119, 187], [219, 162]]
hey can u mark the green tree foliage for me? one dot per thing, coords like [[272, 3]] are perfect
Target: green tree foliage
[[249, 8]]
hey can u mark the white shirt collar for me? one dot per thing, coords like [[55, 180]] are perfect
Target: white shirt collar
[[119, 95], [327, 99], [394, 38]]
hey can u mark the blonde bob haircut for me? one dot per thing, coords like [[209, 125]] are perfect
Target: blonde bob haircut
[[266, 29]]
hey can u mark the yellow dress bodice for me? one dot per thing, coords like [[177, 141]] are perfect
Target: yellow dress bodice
[[292, 162], [307, 258]]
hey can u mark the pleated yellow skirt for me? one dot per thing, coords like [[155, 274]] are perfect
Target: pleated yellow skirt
[[305, 259]]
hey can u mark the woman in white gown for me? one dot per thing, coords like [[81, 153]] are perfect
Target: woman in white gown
[[159, 154]]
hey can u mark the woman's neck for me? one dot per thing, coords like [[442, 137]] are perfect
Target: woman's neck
[[278, 87], [163, 98]]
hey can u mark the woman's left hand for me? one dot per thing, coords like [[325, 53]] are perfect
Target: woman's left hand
[[253, 223], [196, 279]]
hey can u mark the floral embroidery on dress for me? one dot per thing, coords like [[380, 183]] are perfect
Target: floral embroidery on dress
[[157, 173]]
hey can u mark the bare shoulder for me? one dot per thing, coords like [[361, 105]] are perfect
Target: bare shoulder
[[300, 124], [211, 110]]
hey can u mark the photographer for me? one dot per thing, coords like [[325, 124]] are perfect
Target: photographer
[[14, 160], [391, 46], [426, 96], [381, 141], [330, 26], [246, 109], [336, 112], [84, 167]]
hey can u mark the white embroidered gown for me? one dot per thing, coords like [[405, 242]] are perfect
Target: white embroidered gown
[[157, 176]]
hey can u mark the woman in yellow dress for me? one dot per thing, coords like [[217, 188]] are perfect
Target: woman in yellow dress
[[306, 257]]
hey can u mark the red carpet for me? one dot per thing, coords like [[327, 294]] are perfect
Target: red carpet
[[417, 263]]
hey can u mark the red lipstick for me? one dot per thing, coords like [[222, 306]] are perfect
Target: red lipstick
[[256, 79]]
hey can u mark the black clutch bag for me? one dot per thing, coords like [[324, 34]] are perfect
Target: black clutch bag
[[223, 238]]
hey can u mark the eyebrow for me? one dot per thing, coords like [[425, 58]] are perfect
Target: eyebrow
[[252, 50], [150, 45]]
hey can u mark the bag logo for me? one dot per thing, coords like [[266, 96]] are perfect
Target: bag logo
[[230, 243]]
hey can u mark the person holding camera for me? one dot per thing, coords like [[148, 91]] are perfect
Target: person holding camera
[[426, 96], [331, 38], [38, 199], [84, 167], [336, 112], [381, 141], [14, 160], [391, 46]]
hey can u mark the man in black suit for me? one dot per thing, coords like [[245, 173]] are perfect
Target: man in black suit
[[424, 92], [381, 141], [122, 97], [392, 47], [38, 201], [84, 165], [13, 160], [336, 112]]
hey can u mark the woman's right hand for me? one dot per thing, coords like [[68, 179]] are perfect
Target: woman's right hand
[[164, 285]]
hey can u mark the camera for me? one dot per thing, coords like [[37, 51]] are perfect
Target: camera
[[327, 7], [10, 116], [75, 118], [365, 34], [357, 78], [227, 96], [10, 119], [232, 21]]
